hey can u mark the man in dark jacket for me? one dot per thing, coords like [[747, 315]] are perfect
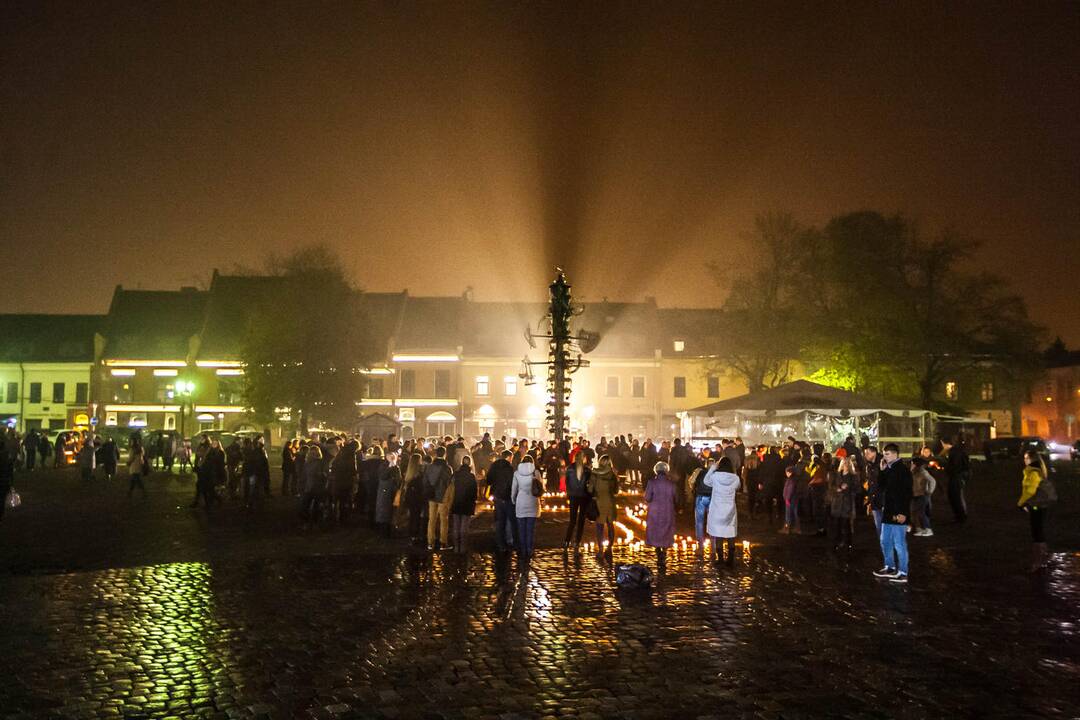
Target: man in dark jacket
[[210, 474], [894, 483], [437, 479], [958, 469], [463, 506], [500, 479]]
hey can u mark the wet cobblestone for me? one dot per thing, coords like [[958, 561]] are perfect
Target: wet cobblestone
[[793, 630]]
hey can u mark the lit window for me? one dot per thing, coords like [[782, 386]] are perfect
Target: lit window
[[952, 390], [986, 392], [680, 346], [510, 384], [482, 386], [612, 386], [680, 387]]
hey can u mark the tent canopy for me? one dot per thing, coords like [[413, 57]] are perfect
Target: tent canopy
[[802, 396]]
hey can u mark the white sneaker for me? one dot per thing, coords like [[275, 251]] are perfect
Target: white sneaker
[[919, 533], [927, 532], [885, 572], [899, 578]]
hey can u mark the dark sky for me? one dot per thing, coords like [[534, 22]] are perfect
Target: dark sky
[[446, 145]]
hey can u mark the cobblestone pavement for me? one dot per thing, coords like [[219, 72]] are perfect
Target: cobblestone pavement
[[374, 630]]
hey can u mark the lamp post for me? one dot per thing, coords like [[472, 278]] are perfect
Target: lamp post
[[184, 389]]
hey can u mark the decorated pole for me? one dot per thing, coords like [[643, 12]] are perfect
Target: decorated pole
[[559, 355]]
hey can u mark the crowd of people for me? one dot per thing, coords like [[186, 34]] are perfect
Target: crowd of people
[[430, 488]]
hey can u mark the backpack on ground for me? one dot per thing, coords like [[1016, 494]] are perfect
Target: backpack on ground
[[633, 576]]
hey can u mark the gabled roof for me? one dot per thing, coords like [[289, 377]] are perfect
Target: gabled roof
[[802, 395], [430, 324], [233, 300], [627, 330], [697, 328], [153, 324], [497, 329], [48, 338], [382, 314]]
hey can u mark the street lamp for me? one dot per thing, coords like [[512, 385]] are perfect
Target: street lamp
[[184, 389]]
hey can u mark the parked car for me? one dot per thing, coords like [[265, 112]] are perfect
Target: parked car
[[1012, 449]]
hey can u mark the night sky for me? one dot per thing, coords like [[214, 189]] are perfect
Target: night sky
[[447, 145]]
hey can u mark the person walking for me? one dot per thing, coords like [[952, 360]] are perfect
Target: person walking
[[526, 504], [137, 467], [464, 504], [660, 497], [1037, 495], [894, 484], [603, 486], [723, 518], [578, 498], [385, 491]]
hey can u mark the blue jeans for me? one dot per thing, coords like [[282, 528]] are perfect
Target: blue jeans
[[506, 527], [701, 515], [877, 522], [894, 539], [526, 531], [791, 512]]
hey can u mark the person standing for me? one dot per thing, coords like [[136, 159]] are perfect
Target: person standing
[[819, 487], [386, 490], [437, 483], [843, 489], [210, 474], [660, 519], [603, 486], [958, 471], [312, 484], [873, 487], [723, 518], [1037, 494], [288, 469], [578, 498], [464, 504], [87, 460], [526, 504], [30, 447], [500, 482], [922, 484], [343, 474], [894, 483]]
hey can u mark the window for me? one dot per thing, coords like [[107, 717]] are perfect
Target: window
[[122, 393], [13, 392], [612, 386], [637, 387], [714, 386], [987, 391], [58, 392], [165, 390], [230, 390], [482, 385], [442, 383], [376, 388], [35, 392], [82, 393], [408, 383], [57, 423], [510, 385], [952, 391], [110, 419], [680, 345], [680, 386]]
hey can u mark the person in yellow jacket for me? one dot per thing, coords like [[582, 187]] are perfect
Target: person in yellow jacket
[[1036, 495]]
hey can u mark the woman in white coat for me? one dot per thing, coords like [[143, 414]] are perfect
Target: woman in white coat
[[723, 521], [526, 505]]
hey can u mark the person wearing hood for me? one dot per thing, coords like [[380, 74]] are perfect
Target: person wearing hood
[[438, 481], [526, 504], [603, 486], [389, 482], [464, 504], [660, 521], [723, 520]]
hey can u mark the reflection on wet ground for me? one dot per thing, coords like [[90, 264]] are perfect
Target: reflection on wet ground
[[780, 634]]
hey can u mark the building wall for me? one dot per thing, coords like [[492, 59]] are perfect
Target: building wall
[[1054, 402], [45, 413]]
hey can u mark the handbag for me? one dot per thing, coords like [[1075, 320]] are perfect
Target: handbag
[[537, 487], [13, 500]]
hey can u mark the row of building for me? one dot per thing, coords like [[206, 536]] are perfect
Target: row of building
[[171, 360]]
